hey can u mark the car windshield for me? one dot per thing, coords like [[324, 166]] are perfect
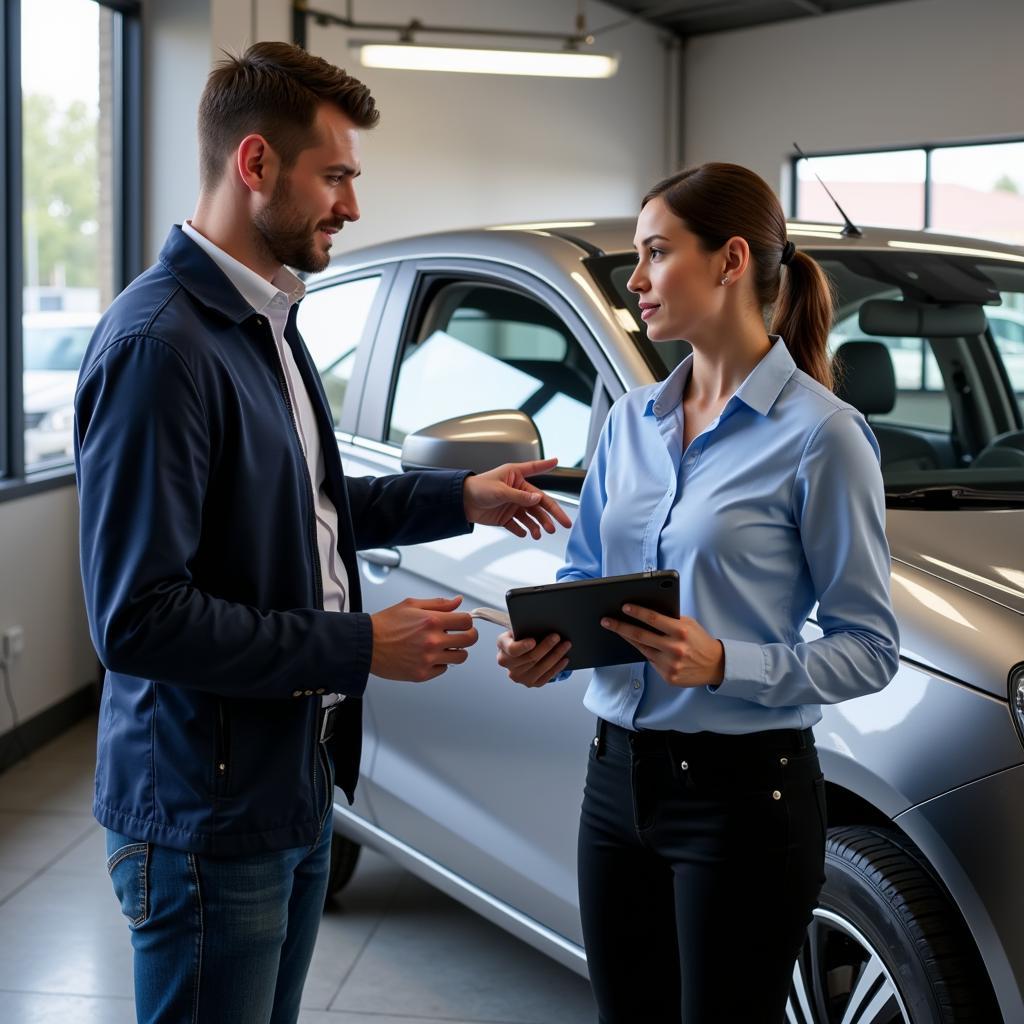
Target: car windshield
[[56, 348], [950, 432]]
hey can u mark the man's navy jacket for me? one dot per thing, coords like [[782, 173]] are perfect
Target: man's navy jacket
[[201, 571]]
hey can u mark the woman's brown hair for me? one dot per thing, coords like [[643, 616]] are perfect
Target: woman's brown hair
[[717, 201]]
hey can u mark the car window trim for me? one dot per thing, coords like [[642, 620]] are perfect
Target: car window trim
[[364, 347], [500, 274]]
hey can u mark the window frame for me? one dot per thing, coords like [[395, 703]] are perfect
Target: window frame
[[929, 148], [16, 480], [385, 272], [405, 315]]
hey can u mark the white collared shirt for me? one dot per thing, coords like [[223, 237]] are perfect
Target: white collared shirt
[[274, 299]]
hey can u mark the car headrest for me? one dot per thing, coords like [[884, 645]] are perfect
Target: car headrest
[[866, 378]]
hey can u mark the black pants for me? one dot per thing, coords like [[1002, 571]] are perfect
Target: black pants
[[700, 861]]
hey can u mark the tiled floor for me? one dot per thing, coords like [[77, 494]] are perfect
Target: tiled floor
[[391, 951]]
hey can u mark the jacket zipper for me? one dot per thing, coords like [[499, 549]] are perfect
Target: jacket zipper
[[282, 385], [222, 744]]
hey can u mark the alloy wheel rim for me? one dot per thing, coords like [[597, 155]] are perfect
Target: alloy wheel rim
[[840, 978]]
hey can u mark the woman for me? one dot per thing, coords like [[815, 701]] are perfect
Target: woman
[[702, 833]]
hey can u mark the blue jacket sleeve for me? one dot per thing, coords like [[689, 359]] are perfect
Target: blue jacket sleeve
[[407, 508], [142, 455], [839, 507]]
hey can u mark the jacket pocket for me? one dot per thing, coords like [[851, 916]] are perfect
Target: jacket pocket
[[128, 867]]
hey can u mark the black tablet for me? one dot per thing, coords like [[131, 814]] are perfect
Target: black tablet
[[574, 611]]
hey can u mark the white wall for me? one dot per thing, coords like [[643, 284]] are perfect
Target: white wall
[[41, 591], [911, 72], [454, 150], [176, 47], [451, 150]]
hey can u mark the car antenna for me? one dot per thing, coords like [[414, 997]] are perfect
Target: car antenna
[[850, 230]]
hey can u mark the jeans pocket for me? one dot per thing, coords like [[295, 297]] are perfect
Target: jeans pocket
[[128, 868]]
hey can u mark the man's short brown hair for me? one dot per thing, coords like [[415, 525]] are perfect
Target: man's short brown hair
[[273, 89]]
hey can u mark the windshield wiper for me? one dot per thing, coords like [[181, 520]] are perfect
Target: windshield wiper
[[945, 496]]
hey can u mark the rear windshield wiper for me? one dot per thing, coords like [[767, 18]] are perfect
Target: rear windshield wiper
[[944, 496]]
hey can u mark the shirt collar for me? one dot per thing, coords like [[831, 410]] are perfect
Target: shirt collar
[[759, 391], [280, 293]]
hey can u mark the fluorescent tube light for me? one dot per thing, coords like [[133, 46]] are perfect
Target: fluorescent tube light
[[417, 57]]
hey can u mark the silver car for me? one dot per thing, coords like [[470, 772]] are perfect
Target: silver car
[[474, 783]]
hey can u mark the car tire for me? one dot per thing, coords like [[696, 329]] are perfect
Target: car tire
[[344, 857], [886, 945]]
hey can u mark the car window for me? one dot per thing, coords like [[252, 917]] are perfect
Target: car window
[[332, 321], [921, 399], [59, 349], [1007, 326], [481, 347]]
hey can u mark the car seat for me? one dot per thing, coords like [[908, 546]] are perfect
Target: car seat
[[867, 380]]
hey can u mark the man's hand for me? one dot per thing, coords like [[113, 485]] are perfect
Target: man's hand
[[504, 497], [683, 652], [417, 640], [532, 663]]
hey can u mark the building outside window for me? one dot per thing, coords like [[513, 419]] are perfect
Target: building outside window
[[70, 212]]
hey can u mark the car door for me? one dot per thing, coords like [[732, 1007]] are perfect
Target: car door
[[478, 774], [338, 319]]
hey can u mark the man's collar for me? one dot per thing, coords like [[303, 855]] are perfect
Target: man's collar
[[759, 391], [208, 279]]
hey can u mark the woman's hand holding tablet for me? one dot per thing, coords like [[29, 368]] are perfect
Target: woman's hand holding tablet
[[680, 649]]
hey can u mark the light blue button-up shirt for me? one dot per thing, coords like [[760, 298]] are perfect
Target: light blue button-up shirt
[[777, 505]]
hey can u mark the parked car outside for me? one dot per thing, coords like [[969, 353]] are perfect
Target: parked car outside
[[474, 783], [53, 346]]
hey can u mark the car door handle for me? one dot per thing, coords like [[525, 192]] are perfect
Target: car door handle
[[391, 557]]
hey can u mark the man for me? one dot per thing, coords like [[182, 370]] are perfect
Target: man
[[218, 538]]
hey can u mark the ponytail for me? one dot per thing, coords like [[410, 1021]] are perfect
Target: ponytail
[[717, 201], [802, 314]]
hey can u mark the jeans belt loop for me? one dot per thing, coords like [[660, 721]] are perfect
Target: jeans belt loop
[[599, 739]]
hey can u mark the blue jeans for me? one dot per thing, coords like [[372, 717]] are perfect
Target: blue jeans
[[219, 940]]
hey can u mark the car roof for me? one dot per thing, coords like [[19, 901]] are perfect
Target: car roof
[[576, 238]]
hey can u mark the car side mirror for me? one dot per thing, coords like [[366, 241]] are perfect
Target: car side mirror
[[482, 440]]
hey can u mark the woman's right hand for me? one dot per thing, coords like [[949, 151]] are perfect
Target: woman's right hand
[[532, 663]]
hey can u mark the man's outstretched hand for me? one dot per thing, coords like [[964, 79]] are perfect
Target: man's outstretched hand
[[504, 497]]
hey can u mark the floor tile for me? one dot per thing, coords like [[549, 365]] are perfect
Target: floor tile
[[33, 840], [347, 924], [431, 957], [76, 746], [11, 878], [36, 1008], [39, 784], [87, 858], [60, 936]]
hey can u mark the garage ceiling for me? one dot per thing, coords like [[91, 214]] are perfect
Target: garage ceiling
[[697, 17]]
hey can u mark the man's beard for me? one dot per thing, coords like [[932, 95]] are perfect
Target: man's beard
[[287, 237]]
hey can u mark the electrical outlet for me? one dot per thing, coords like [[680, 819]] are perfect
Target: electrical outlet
[[13, 642]]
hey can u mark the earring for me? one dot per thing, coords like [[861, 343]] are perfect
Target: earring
[[725, 280]]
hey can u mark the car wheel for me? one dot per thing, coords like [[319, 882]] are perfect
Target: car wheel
[[885, 945], [344, 857]]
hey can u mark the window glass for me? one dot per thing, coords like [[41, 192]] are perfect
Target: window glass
[[873, 188], [979, 190], [1006, 322], [484, 347], [921, 399], [67, 118], [332, 321]]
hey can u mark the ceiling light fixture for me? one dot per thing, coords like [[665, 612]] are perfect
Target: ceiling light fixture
[[573, 60], [477, 61]]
